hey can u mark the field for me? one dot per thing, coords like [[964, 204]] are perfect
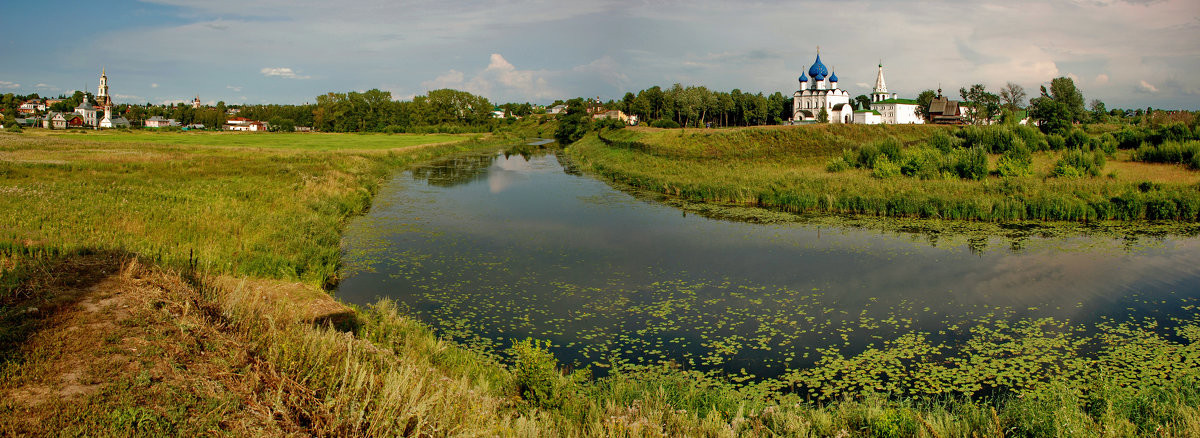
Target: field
[[826, 169], [289, 141], [159, 284]]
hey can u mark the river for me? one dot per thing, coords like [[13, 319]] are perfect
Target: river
[[492, 247]]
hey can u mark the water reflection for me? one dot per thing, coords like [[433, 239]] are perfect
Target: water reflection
[[501, 246]]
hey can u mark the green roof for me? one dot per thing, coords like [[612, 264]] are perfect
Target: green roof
[[905, 101], [869, 111]]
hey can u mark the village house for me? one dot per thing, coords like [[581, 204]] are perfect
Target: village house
[[244, 124], [614, 114], [160, 122], [944, 111]]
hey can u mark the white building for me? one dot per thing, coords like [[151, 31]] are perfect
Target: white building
[[891, 109], [867, 117], [821, 92]]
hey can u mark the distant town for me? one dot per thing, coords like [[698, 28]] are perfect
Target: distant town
[[818, 99]]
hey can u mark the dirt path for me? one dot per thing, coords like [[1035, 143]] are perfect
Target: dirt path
[[106, 346]]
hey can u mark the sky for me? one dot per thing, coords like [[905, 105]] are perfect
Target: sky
[[1126, 53]]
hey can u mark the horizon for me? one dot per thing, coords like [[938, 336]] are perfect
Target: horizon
[[1126, 53]]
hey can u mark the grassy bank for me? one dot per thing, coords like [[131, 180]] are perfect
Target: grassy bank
[[901, 171], [149, 288]]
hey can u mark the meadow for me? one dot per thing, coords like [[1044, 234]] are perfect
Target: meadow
[[902, 171], [149, 229]]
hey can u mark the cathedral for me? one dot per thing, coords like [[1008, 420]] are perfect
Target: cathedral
[[821, 92], [103, 99]]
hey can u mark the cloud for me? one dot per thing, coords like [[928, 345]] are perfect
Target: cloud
[[153, 85], [126, 97], [46, 86], [608, 70], [1146, 87], [452, 79], [1101, 78], [235, 89], [282, 72], [170, 102], [7, 84], [500, 81]]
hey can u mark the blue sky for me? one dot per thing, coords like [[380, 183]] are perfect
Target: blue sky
[[1127, 53]]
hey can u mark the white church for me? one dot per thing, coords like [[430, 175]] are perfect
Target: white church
[[887, 108], [821, 92]]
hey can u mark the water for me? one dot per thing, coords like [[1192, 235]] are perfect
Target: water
[[491, 248]]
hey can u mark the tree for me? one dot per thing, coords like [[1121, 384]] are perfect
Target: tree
[[1099, 112], [862, 102], [923, 101], [1057, 108], [984, 105], [573, 125], [823, 116], [1012, 96]]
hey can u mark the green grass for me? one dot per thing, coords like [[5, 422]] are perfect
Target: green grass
[[789, 168], [271, 212], [277, 212], [269, 140]]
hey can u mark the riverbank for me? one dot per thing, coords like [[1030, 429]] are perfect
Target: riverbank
[[169, 289], [895, 171]]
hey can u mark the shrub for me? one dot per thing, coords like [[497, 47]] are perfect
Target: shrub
[[1077, 139], [942, 141], [1015, 161], [867, 155], [885, 168], [664, 123], [971, 163], [13, 127], [1106, 143], [994, 139], [1056, 142], [837, 165], [890, 147], [1033, 138], [1077, 163], [1170, 152], [536, 376], [926, 163]]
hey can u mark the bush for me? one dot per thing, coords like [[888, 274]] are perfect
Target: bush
[[925, 163], [1015, 161], [994, 139], [890, 147], [971, 163], [885, 168], [867, 155], [12, 127], [1056, 142], [536, 375], [942, 141], [837, 165], [1077, 163], [1170, 152], [1077, 139], [1033, 138], [664, 123]]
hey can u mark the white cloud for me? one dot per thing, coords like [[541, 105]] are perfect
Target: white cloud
[[153, 85], [1101, 78], [7, 84], [500, 81], [452, 79], [46, 87], [1146, 87], [127, 97], [282, 72], [170, 102], [235, 89]]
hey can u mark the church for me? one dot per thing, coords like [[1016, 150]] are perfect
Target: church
[[887, 108], [821, 92]]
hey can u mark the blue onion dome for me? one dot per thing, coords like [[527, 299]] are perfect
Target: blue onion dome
[[803, 78], [833, 77], [818, 70]]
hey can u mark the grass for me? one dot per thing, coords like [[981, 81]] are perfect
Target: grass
[[260, 140], [789, 168], [127, 310]]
